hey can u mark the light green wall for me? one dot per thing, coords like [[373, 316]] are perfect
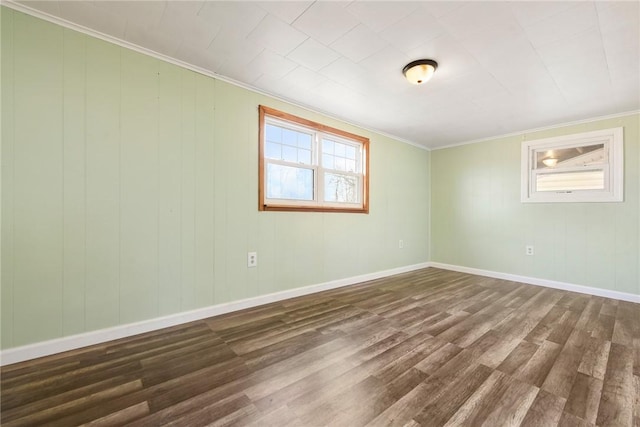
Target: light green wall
[[478, 220], [129, 191]]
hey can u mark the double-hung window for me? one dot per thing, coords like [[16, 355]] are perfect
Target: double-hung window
[[307, 166], [585, 167]]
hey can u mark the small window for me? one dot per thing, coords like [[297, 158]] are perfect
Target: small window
[[585, 167], [307, 166]]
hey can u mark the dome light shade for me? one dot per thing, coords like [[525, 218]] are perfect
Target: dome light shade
[[420, 71]]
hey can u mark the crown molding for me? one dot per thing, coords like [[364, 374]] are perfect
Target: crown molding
[[20, 7], [540, 129]]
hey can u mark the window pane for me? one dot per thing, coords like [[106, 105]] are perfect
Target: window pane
[[351, 165], [340, 149], [340, 188], [586, 155], [304, 141], [351, 152], [340, 164], [273, 151], [289, 154], [287, 182], [570, 181], [273, 133], [304, 156], [327, 161], [289, 137], [327, 146]]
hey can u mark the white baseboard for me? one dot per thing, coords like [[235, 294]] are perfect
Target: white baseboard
[[623, 296], [45, 348], [59, 345]]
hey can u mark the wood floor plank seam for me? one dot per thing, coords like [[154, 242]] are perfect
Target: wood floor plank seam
[[425, 348]]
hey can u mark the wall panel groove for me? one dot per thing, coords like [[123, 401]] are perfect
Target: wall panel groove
[[135, 192]]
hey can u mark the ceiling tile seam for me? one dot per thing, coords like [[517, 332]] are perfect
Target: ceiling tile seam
[[131, 46], [553, 78], [321, 44], [292, 24], [301, 13], [222, 65], [312, 71], [215, 36], [330, 46], [333, 80], [123, 43], [159, 18], [519, 24], [373, 30], [474, 101], [281, 21], [200, 9], [544, 64], [604, 51]]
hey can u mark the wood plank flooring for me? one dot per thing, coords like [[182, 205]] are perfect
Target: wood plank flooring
[[426, 348]]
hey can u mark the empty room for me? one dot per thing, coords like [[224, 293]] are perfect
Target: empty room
[[320, 213]]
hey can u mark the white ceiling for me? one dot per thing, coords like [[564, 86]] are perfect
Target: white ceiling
[[503, 66]]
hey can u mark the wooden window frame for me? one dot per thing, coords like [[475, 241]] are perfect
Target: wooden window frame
[[317, 206]]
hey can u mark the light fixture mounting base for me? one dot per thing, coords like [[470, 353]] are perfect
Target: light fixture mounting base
[[412, 64]]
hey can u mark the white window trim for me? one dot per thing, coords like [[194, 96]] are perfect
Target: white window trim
[[614, 170]]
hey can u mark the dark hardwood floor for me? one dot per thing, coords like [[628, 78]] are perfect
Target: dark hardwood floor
[[427, 348]]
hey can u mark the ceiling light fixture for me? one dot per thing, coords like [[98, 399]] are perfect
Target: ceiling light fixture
[[550, 162], [420, 71]]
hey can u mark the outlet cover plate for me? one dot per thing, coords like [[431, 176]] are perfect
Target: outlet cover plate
[[252, 259]]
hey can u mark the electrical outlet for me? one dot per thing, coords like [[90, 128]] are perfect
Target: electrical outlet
[[252, 259], [529, 250], [400, 244]]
